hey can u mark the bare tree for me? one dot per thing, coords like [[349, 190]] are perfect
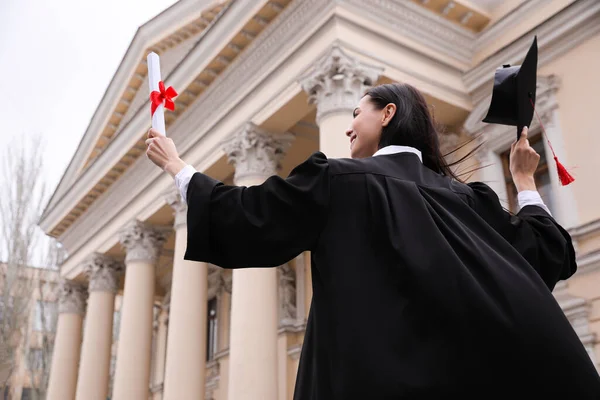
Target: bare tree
[[45, 283], [22, 243]]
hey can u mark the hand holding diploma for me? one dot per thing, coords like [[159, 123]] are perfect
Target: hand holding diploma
[[162, 152]]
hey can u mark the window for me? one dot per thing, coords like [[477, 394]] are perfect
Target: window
[[35, 359], [46, 314], [211, 336], [542, 176], [26, 394]]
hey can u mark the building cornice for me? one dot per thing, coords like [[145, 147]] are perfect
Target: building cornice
[[148, 36], [420, 25], [515, 17], [556, 36], [589, 262], [129, 138], [580, 231]]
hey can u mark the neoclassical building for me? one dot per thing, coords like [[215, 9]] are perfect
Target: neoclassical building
[[263, 84]]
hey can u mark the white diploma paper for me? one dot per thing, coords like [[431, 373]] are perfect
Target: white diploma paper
[[158, 119]]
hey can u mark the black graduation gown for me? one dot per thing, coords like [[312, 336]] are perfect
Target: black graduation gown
[[423, 287]]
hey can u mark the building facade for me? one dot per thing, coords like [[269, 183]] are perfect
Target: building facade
[[28, 316], [263, 84]]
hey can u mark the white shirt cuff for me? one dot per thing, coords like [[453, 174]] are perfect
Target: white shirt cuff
[[531, 198], [182, 180]]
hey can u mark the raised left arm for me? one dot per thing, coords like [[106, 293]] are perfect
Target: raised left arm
[[258, 226]]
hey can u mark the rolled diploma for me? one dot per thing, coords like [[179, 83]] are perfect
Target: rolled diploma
[[158, 119]]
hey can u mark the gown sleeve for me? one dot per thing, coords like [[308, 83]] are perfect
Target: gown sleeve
[[258, 226], [532, 232]]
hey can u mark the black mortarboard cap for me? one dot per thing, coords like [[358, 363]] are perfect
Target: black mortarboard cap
[[514, 92]]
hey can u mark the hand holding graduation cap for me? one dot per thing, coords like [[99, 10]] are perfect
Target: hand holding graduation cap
[[513, 102], [524, 161]]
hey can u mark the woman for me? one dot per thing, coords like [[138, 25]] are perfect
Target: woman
[[423, 286]]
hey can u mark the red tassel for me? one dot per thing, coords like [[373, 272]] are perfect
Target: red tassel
[[564, 175]]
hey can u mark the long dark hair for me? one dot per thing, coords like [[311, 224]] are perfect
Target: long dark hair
[[413, 125]]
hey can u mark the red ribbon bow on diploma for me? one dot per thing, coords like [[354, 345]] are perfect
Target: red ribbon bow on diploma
[[163, 95]]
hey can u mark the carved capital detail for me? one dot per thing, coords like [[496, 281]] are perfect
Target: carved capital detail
[[287, 295], [103, 272], [338, 82], [72, 298], [173, 198], [256, 153], [218, 279], [142, 241]]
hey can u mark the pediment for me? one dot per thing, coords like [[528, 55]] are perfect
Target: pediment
[[172, 34], [197, 43]]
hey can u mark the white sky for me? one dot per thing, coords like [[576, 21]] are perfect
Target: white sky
[[57, 58]]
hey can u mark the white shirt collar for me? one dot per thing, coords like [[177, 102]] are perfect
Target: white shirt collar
[[393, 149]]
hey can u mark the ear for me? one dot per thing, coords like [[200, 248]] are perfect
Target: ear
[[388, 113]]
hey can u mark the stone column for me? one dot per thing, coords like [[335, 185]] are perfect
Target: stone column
[[254, 308], [336, 85], [67, 345], [94, 370], [132, 375], [186, 343]]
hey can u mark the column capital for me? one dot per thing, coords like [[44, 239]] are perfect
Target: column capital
[[337, 82], [142, 241], [174, 199], [103, 272], [256, 153], [546, 102], [72, 298]]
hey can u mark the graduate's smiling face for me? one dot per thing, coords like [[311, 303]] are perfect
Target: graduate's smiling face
[[367, 124]]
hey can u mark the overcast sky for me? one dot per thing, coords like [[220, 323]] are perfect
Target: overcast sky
[[57, 58]]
